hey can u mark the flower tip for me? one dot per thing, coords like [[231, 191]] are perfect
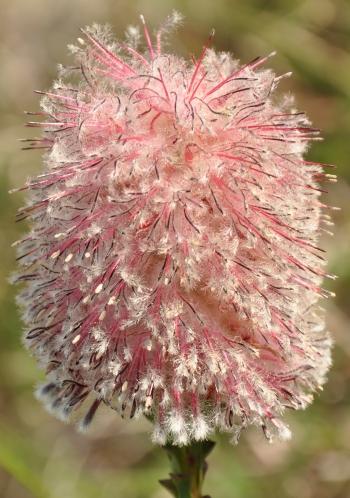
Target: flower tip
[[85, 32], [43, 390], [285, 434], [201, 429], [82, 427], [84, 423]]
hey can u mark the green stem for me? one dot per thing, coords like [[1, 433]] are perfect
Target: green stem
[[188, 469]]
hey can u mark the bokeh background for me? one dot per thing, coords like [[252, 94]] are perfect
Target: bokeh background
[[43, 458]]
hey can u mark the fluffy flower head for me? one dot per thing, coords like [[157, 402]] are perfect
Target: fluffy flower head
[[172, 267]]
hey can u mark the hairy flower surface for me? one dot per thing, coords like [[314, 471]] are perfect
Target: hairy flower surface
[[172, 267]]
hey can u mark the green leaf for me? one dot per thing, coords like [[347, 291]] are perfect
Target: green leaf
[[169, 485]]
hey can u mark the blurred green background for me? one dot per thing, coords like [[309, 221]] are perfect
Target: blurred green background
[[41, 457]]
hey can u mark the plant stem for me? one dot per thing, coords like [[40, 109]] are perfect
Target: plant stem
[[188, 469]]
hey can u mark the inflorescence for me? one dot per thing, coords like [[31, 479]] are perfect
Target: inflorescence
[[172, 267]]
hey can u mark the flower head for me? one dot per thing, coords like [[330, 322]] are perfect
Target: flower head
[[172, 267]]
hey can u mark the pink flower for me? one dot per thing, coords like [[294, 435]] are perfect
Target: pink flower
[[172, 268]]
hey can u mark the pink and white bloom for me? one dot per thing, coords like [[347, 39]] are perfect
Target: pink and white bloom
[[172, 267]]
